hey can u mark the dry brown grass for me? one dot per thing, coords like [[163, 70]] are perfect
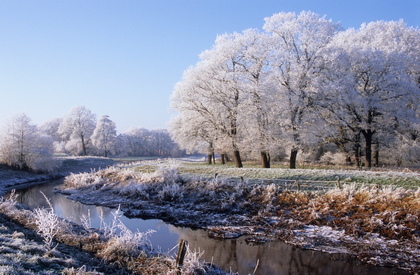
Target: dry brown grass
[[288, 198], [392, 212]]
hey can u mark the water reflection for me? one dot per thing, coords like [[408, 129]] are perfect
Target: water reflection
[[163, 240], [274, 257], [231, 255]]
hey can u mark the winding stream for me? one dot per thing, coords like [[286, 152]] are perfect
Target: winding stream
[[231, 255]]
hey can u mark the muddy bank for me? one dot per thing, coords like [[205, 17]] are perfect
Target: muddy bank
[[378, 226]]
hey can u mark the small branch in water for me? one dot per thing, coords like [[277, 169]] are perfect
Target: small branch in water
[[256, 267]]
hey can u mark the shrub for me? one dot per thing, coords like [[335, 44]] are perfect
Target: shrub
[[124, 246], [330, 158]]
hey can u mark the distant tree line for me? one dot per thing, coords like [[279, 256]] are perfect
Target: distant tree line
[[26, 146], [305, 88]]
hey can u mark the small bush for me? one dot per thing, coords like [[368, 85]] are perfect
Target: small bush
[[330, 158], [170, 192]]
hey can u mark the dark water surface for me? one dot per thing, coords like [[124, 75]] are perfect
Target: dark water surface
[[231, 255]]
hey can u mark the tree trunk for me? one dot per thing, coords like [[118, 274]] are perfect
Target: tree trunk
[[376, 152], [223, 158], [293, 156], [357, 150], [357, 157], [237, 159], [210, 153], [83, 145], [368, 146], [265, 160]]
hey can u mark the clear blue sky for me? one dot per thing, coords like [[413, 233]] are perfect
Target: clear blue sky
[[123, 57]]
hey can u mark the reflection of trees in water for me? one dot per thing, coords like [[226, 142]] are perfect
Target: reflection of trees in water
[[74, 211], [32, 196], [63, 207], [274, 257], [232, 254]]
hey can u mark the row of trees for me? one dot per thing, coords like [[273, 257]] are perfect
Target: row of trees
[[26, 146], [302, 85]]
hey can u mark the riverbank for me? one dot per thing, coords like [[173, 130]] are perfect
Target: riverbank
[[22, 251], [38, 242], [42, 243], [377, 224], [15, 179]]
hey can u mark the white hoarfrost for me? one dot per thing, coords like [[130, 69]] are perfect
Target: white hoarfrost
[[48, 224]]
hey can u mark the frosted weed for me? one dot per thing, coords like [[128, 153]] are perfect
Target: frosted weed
[[47, 223], [86, 220]]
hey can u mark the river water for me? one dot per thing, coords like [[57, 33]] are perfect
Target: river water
[[231, 255]]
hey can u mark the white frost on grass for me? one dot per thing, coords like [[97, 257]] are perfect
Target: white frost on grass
[[122, 241], [326, 232]]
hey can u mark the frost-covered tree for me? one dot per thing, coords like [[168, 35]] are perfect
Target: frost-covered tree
[[140, 142], [24, 147], [193, 128], [137, 142], [161, 143], [51, 127], [297, 44], [403, 150], [77, 128], [219, 88], [373, 86], [211, 92], [302, 81], [104, 136], [121, 145], [192, 134], [252, 68]]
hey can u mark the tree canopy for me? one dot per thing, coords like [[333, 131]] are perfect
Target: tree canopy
[[302, 84]]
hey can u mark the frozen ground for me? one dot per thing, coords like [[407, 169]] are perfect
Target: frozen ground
[[377, 223], [22, 251], [12, 179]]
